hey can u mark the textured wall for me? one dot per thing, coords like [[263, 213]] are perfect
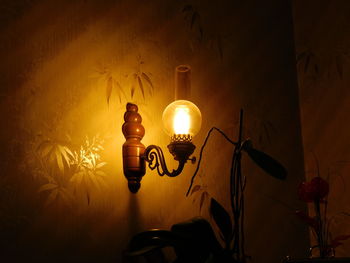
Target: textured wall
[[323, 44], [62, 61]]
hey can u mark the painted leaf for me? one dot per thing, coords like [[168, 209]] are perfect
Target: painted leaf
[[63, 150], [68, 151], [52, 197], [47, 187], [141, 86], [109, 88], [132, 90], [221, 218], [77, 177], [147, 78], [44, 148], [120, 90], [59, 159], [100, 165], [195, 189], [100, 173]]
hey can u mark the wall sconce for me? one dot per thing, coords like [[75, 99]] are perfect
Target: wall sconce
[[182, 120]]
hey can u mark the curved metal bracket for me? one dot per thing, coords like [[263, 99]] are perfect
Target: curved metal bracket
[[135, 154], [155, 158]]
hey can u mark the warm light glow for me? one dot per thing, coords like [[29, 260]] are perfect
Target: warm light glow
[[182, 121], [182, 117]]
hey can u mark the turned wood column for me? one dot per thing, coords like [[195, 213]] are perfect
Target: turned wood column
[[133, 149]]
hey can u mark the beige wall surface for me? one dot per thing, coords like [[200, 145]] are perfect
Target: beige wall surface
[[62, 60], [322, 37]]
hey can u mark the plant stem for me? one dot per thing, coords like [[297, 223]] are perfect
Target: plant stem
[[320, 233]]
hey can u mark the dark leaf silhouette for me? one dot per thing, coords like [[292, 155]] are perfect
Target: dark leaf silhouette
[[267, 163], [109, 89], [221, 218]]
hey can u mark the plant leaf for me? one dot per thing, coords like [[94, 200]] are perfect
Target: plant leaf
[[222, 219], [109, 88], [267, 163]]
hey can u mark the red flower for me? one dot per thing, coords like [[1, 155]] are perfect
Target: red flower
[[312, 191]]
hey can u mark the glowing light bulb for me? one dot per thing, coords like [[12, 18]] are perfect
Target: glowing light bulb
[[182, 121], [182, 117]]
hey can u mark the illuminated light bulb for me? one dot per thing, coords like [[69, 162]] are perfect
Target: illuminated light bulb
[[181, 124], [182, 120]]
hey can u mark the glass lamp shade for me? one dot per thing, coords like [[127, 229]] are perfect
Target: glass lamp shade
[[182, 120]]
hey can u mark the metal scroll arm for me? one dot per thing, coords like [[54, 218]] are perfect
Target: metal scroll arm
[[155, 158]]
